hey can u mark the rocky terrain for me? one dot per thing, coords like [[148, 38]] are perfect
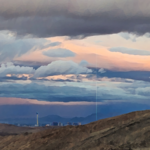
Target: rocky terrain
[[126, 132], [8, 129]]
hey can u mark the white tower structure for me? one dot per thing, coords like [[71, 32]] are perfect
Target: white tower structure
[[37, 119]]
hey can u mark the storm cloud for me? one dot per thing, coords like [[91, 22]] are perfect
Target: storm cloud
[[74, 18]]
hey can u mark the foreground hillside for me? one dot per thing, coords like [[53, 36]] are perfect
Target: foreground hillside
[[7, 129], [126, 132]]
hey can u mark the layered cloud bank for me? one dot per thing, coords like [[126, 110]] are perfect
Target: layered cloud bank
[[102, 91], [54, 68], [74, 17]]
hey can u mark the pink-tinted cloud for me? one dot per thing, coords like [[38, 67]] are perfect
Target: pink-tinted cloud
[[92, 52], [21, 101]]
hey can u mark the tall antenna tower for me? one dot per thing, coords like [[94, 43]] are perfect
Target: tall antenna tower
[[37, 119]]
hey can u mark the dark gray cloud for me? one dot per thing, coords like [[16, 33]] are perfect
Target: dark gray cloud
[[134, 75], [48, 93], [77, 18], [59, 52], [130, 51], [79, 91]]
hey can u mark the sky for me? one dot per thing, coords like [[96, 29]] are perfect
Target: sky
[[74, 57]]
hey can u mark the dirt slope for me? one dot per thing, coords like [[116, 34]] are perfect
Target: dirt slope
[[7, 129], [126, 132]]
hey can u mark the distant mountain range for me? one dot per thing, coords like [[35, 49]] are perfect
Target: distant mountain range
[[106, 111], [55, 118]]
